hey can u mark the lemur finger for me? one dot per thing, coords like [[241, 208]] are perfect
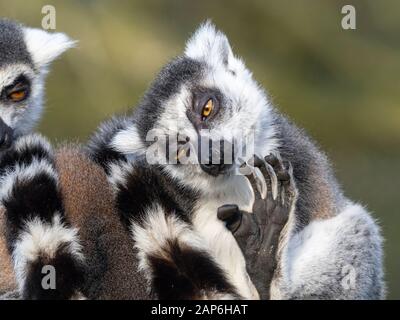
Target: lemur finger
[[289, 185], [280, 166], [274, 179], [260, 182], [270, 174], [283, 176], [231, 215], [260, 163], [256, 179], [275, 160]]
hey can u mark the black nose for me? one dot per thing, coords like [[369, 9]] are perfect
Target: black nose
[[6, 135], [219, 158], [215, 169]]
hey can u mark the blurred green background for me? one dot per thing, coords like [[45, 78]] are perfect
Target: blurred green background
[[343, 86]]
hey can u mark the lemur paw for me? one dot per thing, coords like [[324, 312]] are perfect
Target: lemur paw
[[257, 233]]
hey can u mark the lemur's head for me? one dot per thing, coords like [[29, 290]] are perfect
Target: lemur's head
[[206, 94], [25, 55]]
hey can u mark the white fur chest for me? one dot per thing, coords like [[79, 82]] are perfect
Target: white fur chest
[[219, 239]]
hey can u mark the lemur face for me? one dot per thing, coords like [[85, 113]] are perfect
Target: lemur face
[[208, 94], [25, 55]]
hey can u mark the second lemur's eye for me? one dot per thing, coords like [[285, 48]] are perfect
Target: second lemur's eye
[[18, 91], [18, 95], [207, 109]]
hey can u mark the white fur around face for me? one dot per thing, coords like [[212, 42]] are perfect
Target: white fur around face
[[22, 116], [247, 111], [45, 47], [244, 116]]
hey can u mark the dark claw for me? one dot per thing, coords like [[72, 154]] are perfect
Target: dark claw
[[258, 162]]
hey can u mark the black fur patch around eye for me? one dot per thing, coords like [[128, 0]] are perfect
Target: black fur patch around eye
[[21, 83], [187, 274], [166, 84]]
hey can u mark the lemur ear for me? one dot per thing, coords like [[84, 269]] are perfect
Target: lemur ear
[[44, 46], [209, 44]]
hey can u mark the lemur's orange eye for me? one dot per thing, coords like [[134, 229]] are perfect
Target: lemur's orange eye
[[18, 95], [208, 108]]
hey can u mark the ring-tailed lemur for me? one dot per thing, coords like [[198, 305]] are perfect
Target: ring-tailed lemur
[[36, 230], [47, 195], [171, 209], [181, 260]]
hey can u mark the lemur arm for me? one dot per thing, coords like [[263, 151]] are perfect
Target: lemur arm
[[334, 258], [37, 232], [337, 258]]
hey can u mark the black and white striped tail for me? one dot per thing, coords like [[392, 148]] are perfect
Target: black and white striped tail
[[175, 261], [45, 249], [172, 256]]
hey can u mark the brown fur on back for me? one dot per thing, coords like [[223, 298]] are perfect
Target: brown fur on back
[[108, 248], [7, 280], [110, 255]]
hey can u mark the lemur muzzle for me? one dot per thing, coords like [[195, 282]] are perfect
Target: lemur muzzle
[[215, 156]]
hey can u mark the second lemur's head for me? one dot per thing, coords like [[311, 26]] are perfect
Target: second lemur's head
[[209, 103], [25, 55]]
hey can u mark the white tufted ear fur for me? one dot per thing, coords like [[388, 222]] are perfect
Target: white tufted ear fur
[[209, 44], [44, 46]]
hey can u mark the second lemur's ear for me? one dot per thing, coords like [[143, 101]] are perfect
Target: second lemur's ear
[[45, 46], [210, 45]]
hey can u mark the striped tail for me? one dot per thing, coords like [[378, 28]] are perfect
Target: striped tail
[[45, 249], [172, 256], [175, 261]]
